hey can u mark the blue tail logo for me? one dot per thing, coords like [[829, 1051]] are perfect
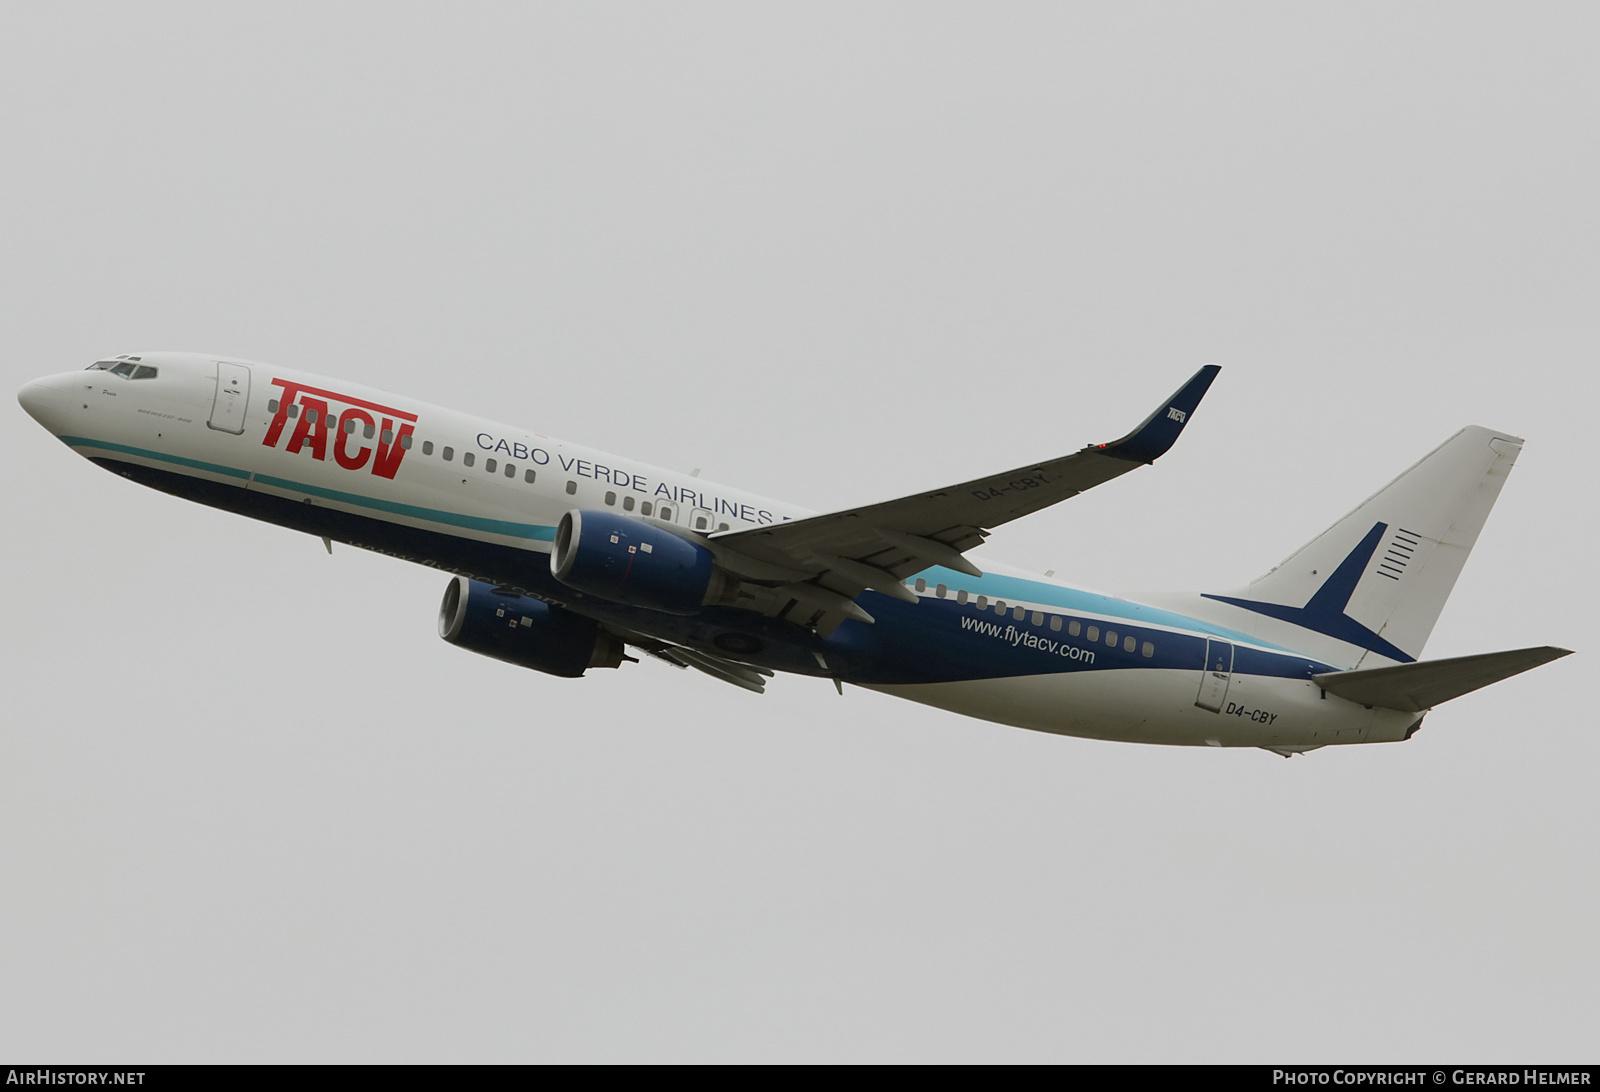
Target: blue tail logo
[[1324, 612]]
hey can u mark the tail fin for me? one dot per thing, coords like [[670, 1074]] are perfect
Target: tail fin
[[1373, 584]]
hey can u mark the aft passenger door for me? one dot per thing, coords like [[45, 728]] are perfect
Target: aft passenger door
[[1215, 675], [233, 397]]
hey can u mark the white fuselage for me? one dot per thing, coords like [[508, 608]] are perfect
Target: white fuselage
[[481, 499]]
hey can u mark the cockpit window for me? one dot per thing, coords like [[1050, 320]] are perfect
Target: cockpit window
[[127, 369]]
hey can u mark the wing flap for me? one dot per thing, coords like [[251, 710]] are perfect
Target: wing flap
[[744, 676]]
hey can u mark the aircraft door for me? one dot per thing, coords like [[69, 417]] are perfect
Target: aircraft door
[[233, 396], [1215, 675], [701, 519]]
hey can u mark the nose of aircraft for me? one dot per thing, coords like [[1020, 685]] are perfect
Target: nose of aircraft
[[42, 400]]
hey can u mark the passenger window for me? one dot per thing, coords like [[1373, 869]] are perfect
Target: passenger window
[[272, 405], [448, 453], [572, 487], [1128, 643], [511, 470], [365, 432], [427, 447], [922, 585], [722, 526], [611, 498], [1017, 613], [941, 591], [294, 411], [311, 416], [1111, 638], [961, 597], [627, 504], [350, 425], [1073, 629], [983, 602], [405, 441], [1094, 633], [1038, 618], [664, 512], [1055, 622], [528, 475], [489, 465], [644, 509], [1147, 649], [1000, 607], [467, 458], [388, 436]]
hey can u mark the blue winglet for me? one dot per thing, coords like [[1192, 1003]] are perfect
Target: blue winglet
[[1159, 432]]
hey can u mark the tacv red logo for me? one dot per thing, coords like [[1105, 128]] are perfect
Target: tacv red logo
[[387, 429]]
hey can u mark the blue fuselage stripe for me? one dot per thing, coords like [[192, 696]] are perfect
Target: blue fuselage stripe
[[935, 640], [1017, 589], [195, 464], [536, 532]]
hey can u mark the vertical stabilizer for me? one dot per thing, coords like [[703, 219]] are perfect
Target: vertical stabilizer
[[1373, 584]]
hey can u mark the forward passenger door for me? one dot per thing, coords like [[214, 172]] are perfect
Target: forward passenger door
[[233, 398]]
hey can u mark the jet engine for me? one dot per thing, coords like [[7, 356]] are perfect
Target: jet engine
[[630, 561], [524, 631]]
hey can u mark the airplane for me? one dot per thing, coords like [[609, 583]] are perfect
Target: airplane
[[562, 558]]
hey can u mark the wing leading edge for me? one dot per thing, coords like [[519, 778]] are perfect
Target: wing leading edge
[[811, 570]]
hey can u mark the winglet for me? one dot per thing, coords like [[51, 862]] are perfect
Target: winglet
[[1159, 432]]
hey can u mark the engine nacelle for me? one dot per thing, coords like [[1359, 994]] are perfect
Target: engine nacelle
[[523, 631], [633, 562]]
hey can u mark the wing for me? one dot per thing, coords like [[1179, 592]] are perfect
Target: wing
[[811, 570]]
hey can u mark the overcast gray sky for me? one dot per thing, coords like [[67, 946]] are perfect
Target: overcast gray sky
[[254, 809]]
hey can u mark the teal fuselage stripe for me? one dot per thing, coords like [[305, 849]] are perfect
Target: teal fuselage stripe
[[196, 464], [994, 585], [532, 531], [1015, 588]]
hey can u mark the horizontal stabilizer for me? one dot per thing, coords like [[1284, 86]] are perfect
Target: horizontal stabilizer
[[1411, 688]]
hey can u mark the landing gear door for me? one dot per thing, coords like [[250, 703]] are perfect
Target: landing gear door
[[1217, 673], [233, 396]]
